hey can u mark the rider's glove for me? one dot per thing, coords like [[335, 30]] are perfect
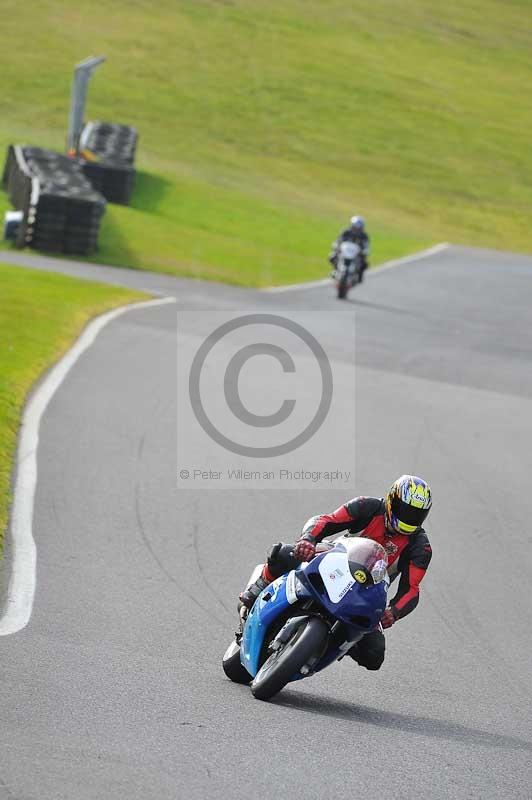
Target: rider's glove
[[304, 550], [388, 618]]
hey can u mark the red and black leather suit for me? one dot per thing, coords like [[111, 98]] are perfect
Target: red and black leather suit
[[408, 558]]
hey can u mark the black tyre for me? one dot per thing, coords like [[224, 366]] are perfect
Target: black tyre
[[343, 287], [281, 666], [232, 666]]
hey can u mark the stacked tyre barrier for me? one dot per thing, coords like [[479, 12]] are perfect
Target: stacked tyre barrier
[[20, 185], [61, 209], [107, 157]]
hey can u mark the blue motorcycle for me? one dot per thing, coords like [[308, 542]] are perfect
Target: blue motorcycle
[[310, 617]]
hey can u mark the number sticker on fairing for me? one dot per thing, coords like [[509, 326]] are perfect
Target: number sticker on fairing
[[334, 570]]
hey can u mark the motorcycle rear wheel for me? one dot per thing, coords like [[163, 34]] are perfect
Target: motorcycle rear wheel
[[308, 640]]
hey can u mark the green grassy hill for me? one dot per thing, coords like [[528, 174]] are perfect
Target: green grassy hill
[[264, 126]]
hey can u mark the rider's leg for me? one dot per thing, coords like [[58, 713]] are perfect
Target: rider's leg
[[280, 560], [369, 651]]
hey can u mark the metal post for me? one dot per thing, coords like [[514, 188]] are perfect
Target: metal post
[[82, 74]]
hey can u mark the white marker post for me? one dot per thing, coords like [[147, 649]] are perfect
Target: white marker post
[[82, 74]]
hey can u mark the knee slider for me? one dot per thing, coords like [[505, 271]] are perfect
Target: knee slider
[[371, 659]]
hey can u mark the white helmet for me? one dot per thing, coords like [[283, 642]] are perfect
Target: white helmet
[[358, 223]]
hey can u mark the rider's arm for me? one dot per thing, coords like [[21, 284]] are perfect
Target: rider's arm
[[355, 515], [415, 561]]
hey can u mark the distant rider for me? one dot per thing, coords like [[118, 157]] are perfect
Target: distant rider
[[394, 522], [356, 232]]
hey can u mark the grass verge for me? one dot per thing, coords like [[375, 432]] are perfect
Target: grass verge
[[40, 315], [264, 126]]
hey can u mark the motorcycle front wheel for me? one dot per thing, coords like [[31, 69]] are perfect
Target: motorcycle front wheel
[[232, 665], [307, 641], [343, 286]]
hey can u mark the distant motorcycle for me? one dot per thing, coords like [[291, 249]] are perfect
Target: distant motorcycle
[[348, 271], [310, 617]]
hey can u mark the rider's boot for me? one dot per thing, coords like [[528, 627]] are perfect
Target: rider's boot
[[249, 595]]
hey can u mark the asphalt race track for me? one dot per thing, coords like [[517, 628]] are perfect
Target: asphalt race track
[[115, 688]]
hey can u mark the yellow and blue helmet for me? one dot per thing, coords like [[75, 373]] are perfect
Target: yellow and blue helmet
[[407, 504]]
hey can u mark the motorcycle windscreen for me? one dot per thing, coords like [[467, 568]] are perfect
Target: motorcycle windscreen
[[356, 602], [349, 250]]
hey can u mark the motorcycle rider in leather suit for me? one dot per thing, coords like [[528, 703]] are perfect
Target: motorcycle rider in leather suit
[[394, 522]]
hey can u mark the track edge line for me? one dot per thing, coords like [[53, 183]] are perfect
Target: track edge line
[[396, 262], [18, 606]]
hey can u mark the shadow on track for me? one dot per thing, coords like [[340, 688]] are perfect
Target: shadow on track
[[422, 726], [355, 301]]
